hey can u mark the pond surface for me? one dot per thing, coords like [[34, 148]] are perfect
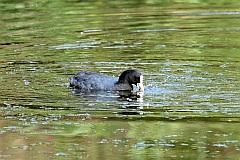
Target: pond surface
[[188, 52]]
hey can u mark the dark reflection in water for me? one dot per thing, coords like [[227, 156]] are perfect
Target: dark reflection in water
[[108, 95]]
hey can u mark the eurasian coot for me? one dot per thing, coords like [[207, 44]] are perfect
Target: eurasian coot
[[86, 80]]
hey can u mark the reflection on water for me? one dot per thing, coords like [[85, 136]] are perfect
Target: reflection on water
[[108, 95], [188, 53]]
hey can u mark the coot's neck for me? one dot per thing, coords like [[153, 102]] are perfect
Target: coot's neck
[[123, 86]]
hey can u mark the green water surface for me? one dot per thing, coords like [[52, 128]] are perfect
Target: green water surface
[[188, 52]]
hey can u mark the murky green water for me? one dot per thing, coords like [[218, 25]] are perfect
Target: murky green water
[[188, 52]]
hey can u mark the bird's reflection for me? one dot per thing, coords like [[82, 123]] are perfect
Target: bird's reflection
[[108, 95]]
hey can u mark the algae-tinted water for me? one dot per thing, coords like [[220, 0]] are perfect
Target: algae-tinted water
[[188, 52]]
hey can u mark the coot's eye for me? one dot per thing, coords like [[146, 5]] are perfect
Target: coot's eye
[[137, 79]]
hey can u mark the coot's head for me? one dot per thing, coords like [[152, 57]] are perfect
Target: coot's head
[[132, 77]]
